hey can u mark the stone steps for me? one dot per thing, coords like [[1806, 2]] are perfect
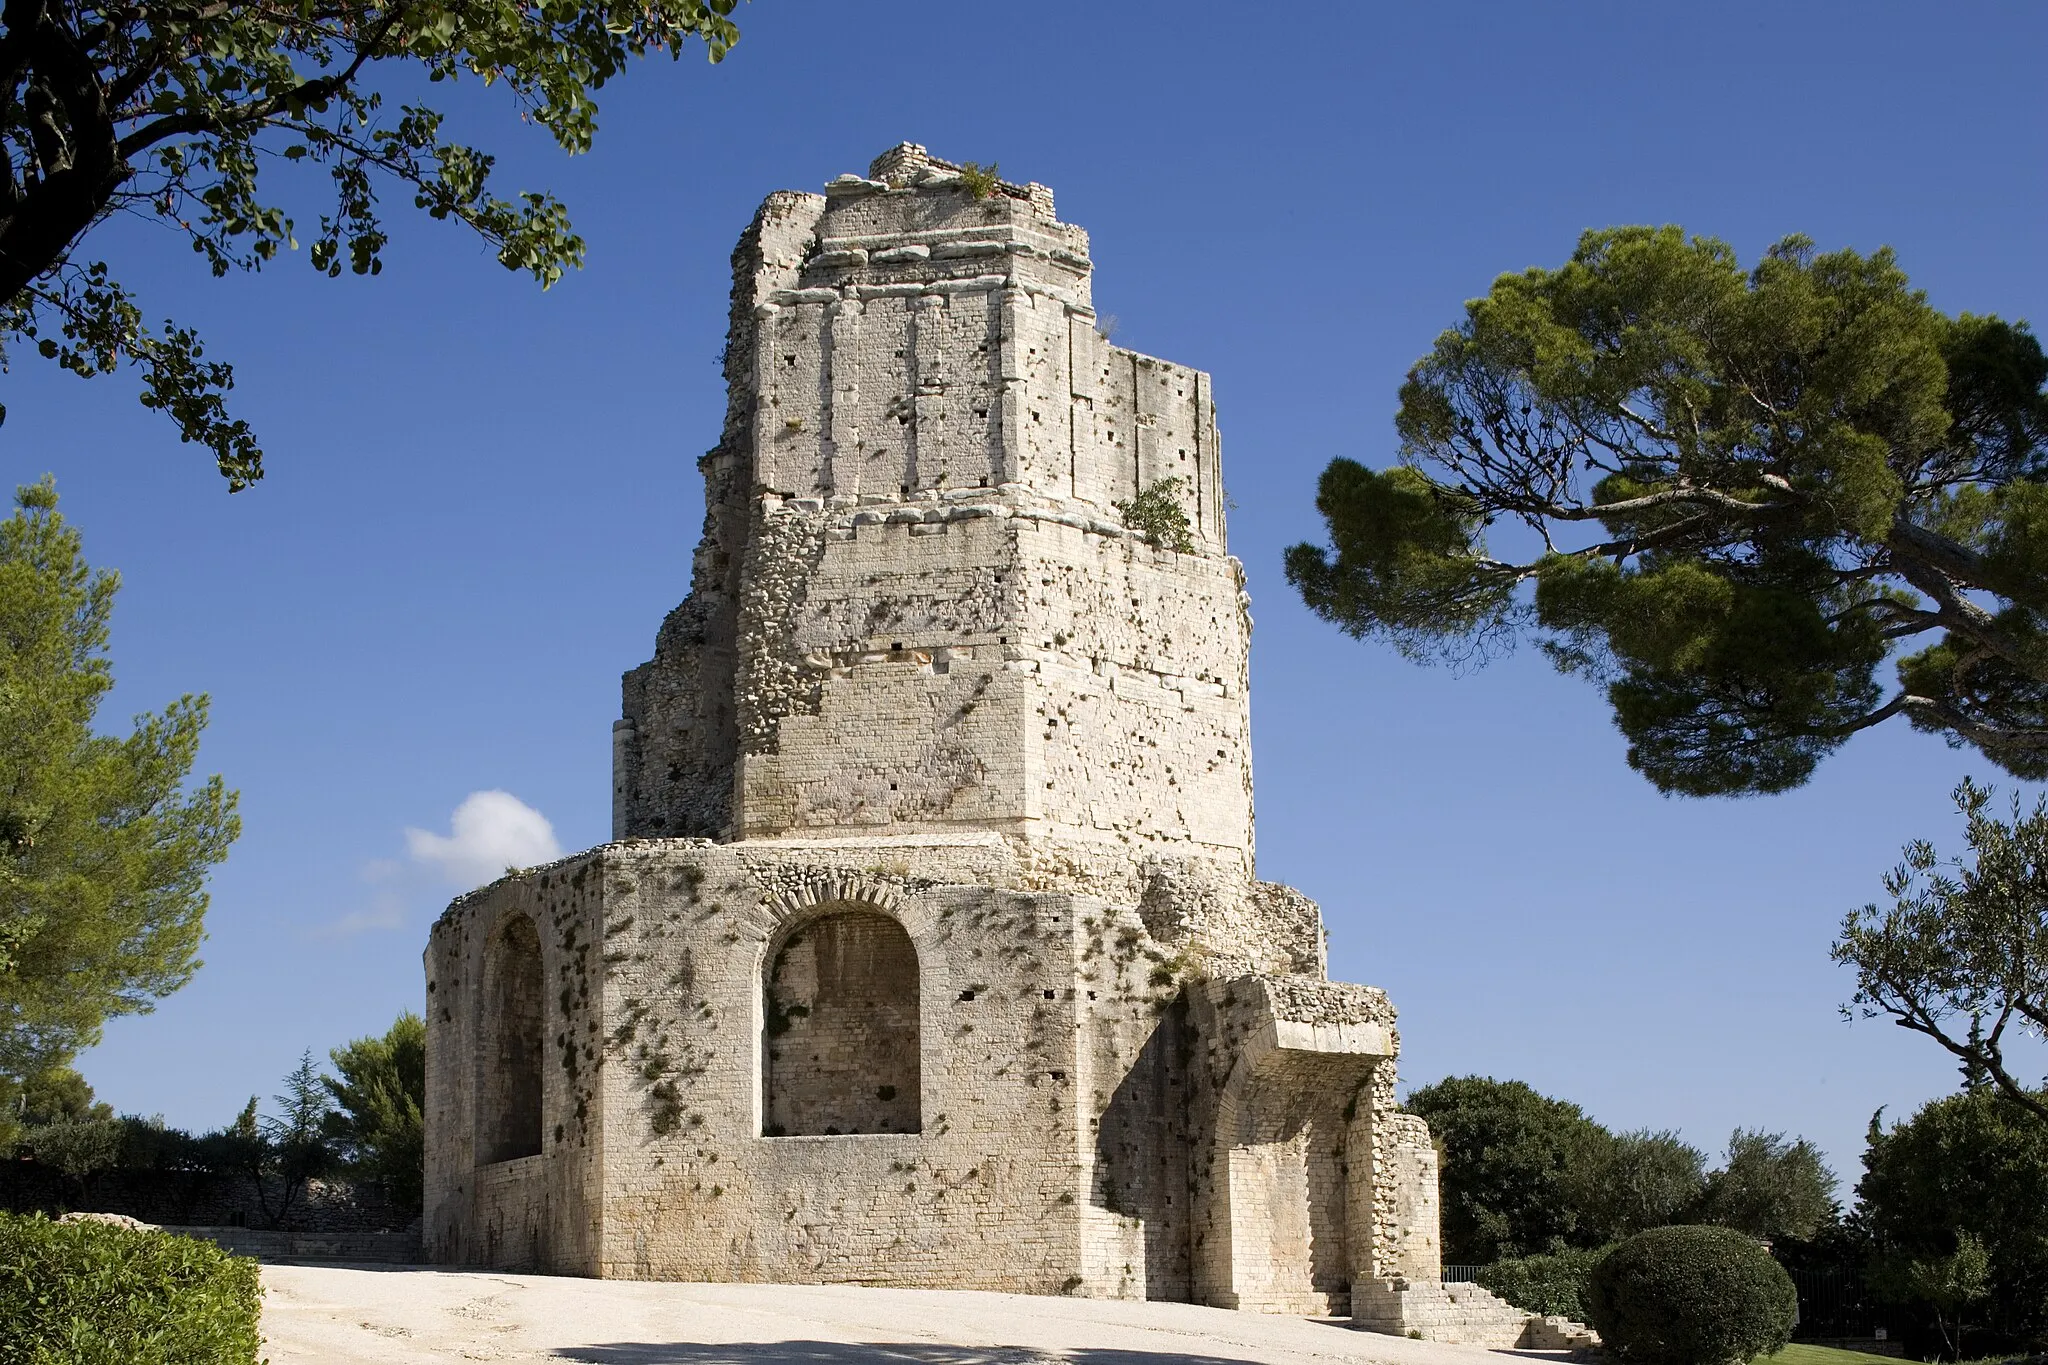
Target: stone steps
[[1463, 1314]]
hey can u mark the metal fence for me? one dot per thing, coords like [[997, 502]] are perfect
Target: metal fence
[[1836, 1303]]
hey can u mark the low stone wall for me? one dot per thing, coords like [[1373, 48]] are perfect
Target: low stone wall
[[380, 1248], [201, 1199]]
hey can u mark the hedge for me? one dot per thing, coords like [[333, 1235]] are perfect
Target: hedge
[[88, 1293], [1553, 1285], [1691, 1296]]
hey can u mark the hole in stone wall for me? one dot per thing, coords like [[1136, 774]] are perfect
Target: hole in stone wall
[[508, 1089], [840, 1002]]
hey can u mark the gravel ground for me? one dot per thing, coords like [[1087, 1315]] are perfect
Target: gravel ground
[[334, 1315]]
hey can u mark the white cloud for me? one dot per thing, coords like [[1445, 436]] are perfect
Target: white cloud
[[489, 832]]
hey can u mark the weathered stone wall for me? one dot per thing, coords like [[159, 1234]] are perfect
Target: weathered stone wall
[[674, 746], [912, 556], [532, 1211], [1079, 1096], [962, 977], [840, 1046]]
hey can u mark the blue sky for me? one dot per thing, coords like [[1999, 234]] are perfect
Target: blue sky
[[482, 499]]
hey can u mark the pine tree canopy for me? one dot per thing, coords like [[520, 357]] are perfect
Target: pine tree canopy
[[1729, 496], [103, 850]]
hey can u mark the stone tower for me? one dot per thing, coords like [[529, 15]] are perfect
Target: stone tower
[[929, 949]]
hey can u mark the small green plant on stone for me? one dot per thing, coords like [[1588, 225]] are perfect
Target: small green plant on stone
[[979, 180], [1156, 514]]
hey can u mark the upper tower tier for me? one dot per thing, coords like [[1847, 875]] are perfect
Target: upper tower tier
[[929, 339], [917, 606]]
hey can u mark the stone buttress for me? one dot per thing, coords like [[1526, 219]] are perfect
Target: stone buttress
[[929, 950]]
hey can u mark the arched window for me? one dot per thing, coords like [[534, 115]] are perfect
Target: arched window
[[508, 1119], [839, 1000]]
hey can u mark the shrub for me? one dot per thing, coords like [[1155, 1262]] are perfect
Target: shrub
[[87, 1293], [1691, 1296], [1156, 514], [1544, 1284]]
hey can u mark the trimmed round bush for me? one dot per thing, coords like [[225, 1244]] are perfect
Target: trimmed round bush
[[87, 1293], [1690, 1296]]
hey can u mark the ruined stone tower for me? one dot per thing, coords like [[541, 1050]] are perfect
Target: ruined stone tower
[[929, 949]]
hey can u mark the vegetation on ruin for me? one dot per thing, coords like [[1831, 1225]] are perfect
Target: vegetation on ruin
[[1961, 954], [171, 113], [1155, 513], [1691, 1296], [979, 180], [1728, 496], [104, 848], [90, 1293]]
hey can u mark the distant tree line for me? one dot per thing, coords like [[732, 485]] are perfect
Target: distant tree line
[[1525, 1174], [1948, 1232], [363, 1124]]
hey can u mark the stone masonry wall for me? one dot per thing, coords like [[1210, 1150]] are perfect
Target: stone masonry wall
[[930, 950], [925, 442]]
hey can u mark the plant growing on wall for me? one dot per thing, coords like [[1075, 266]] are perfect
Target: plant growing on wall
[[1157, 515], [979, 180]]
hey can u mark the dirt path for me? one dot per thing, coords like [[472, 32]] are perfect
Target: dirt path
[[324, 1315]]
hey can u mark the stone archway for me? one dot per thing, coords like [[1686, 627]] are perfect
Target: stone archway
[[508, 1083], [839, 1047]]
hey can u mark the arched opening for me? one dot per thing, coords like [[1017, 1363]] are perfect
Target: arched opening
[[508, 1088], [839, 1051]]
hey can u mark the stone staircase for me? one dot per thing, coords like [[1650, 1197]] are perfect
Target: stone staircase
[[1465, 1314]]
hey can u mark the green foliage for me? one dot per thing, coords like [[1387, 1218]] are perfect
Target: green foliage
[[1156, 514], [1554, 1285], [378, 1106], [1635, 1181], [296, 1143], [1961, 947], [79, 1148], [1508, 1153], [171, 113], [1524, 1175], [1770, 1188], [979, 180], [90, 1293], [1738, 489], [58, 1093], [1969, 1166], [1690, 1296], [103, 851], [279, 1152], [1401, 542], [1949, 1285]]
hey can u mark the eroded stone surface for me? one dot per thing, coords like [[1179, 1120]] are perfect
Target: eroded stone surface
[[929, 951]]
